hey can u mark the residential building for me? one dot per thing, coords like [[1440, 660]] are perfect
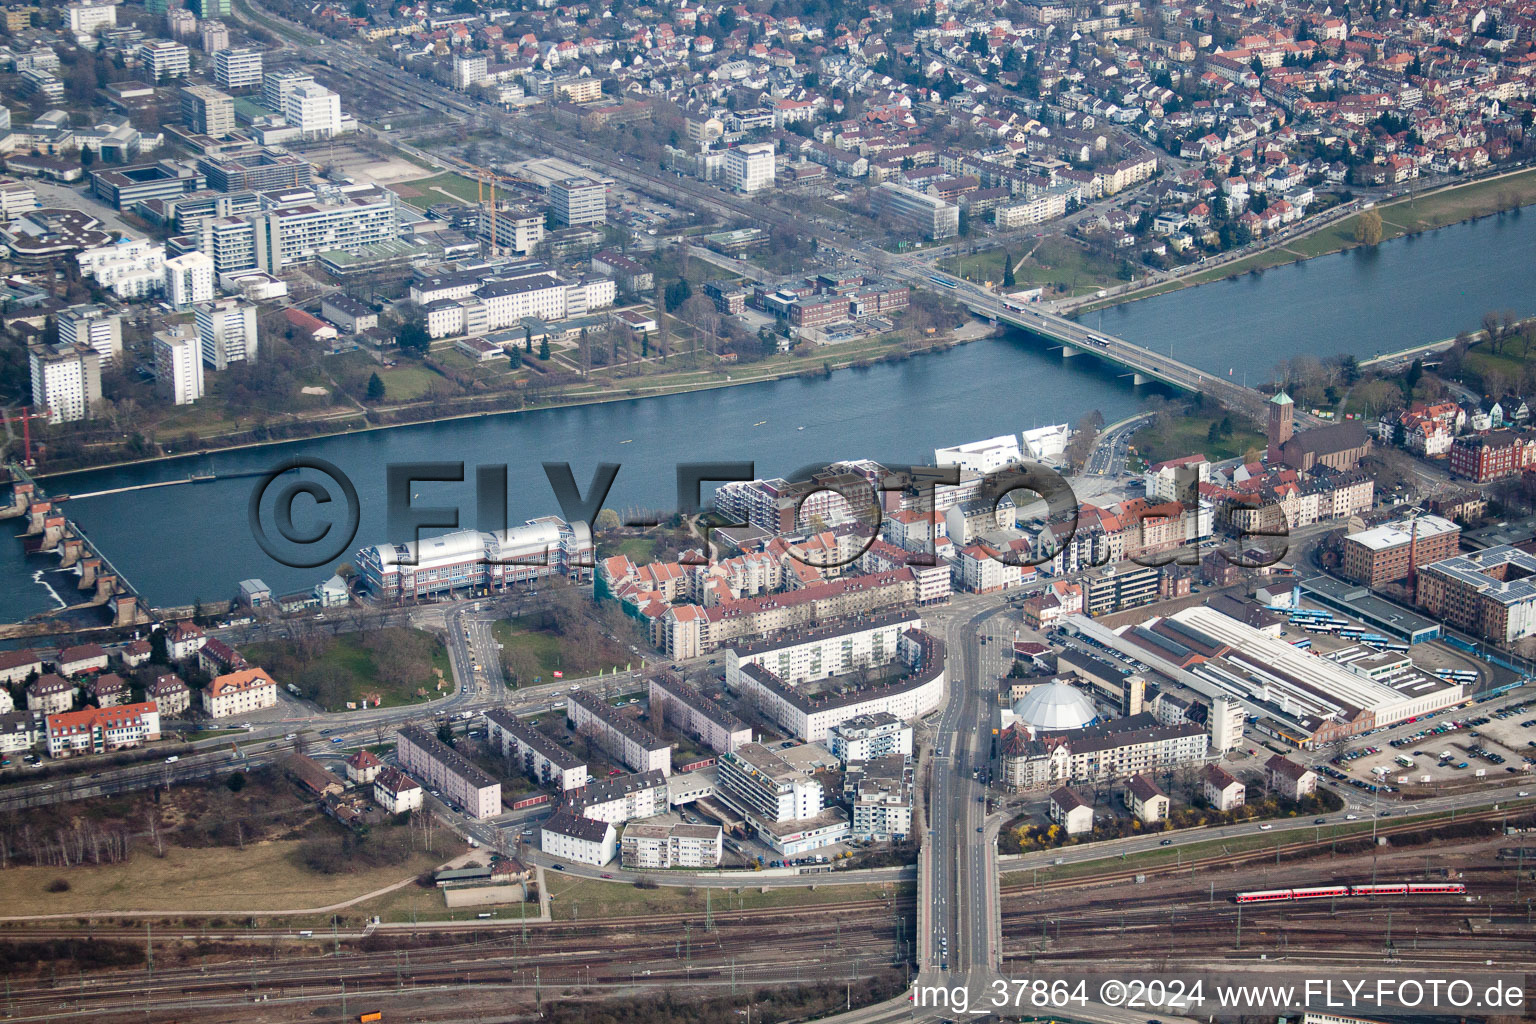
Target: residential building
[[1220, 789], [462, 783], [1225, 722], [396, 792], [915, 212], [577, 201], [1071, 812], [313, 109], [534, 753], [171, 693], [1145, 800], [207, 111], [86, 19], [214, 36], [348, 314], [569, 836], [131, 268], [674, 701], [102, 730], [277, 85], [760, 782], [1285, 778], [108, 689], [868, 737], [881, 799], [363, 767], [750, 167], [1489, 593], [184, 639], [239, 693], [618, 734], [677, 845], [236, 69], [822, 651], [189, 279], [226, 332], [51, 694], [17, 666], [1392, 552], [80, 659], [620, 798], [94, 326], [20, 731], [66, 380], [163, 60], [178, 365], [1493, 455]]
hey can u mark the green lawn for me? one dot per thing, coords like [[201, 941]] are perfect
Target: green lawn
[[1059, 265], [585, 899], [344, 669], [1185, 435], [431, 190], [639, 549]]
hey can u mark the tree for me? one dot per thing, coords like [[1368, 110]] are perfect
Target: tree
[[1411, 380], [607, 519], [445, 734], [413, 337], [1008, 279], [677, 293], [528, 340], [375, 388], [1368, 228], [544, 348]]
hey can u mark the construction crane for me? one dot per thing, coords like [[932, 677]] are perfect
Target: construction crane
[[485, 177], [25, 418]]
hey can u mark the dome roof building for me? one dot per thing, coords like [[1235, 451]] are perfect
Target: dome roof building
[[1055, 707]]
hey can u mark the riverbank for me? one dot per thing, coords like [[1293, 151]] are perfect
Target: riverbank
[[854, 355], [1499, 195]]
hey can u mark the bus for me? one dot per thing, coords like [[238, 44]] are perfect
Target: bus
[[1404, 761]]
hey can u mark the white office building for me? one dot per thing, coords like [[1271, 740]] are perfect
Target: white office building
[[88, 19], [750, 168], [207, 111], [130, 268], [163, 59], [987, 456], [313, 109], [914, 211], [66, 380], [226, 332], [757, 781], [276, 86], [96, 327], [237, 69], [189, 279], [577, 201], [178, 366]]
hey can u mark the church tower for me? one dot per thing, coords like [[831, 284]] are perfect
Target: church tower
[[1281, 409]]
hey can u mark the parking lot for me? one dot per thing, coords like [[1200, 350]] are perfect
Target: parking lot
[[1448, 750]]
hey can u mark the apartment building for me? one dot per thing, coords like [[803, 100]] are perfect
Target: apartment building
[[620, 735], [103, 730], [237, 69], [881, 799], [1392, 552], [620, 798], [397, 792], [163, 60], [226, 332], [571, 837], [313, 109], [214, 36], [178, 365], [131, 268], [171, 693], [66, 380], [51, 694], [439, 766], [188, 279], [239, 693], [207, 111], [1220, 789], [750, 167], [760, 782], [677, 845], [96, 326], [1489, 593], [578, 201], [673, 700], [1287, 779], [538, 756], [867, 737], [277, 85]]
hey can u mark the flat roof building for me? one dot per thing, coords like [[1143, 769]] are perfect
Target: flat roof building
[[1392, 552], [462, 783]]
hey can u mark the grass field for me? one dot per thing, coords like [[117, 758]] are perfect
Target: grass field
[[430, 190], [1184, 435], [1061, 266], [583, 899], [263, 876], [639, 549], [351, 671]]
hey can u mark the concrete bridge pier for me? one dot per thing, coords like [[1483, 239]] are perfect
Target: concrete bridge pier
[[89, 567], [70, 551], [1138, 380], [37, 512], [21, 501], [1067, 352], [55, 528], [125, 610], [106, 587]]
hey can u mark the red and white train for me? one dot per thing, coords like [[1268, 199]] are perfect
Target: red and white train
[[1323, 892]]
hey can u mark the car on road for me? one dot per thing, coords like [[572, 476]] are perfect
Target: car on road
[[1265, 828], [1351, 817], [559, 867], [605, 875], [1320, 821], [1524, 792], [1166, 842], [980, 828]]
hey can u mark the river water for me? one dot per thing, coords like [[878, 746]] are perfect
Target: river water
[[177, 544]]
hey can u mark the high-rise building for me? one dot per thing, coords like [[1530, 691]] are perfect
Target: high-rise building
[[86, 19], [66, 380], [1226, 726], [313, 109], [95, 327], [237, 69], [207, 111], [468, 70], [189, 279], [750, 168], [211, 8], [578, 201], [162, 60], [226, 330], [915, 211], [215, 37], [276, 85], [178, 369], [180, 22]]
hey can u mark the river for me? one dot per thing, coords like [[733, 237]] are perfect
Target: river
[[177, 544]]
